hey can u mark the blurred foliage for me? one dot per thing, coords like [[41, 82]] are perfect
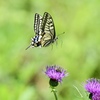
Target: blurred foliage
[[78, 50]]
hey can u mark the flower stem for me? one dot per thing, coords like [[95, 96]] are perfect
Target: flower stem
[[54, 92]]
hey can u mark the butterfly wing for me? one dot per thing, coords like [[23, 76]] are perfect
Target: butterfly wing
[[37, 24], [48, 30], [38, 30]]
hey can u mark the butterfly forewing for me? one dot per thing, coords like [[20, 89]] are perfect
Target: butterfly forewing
[[37, 24], [48, 29], [48, 25]]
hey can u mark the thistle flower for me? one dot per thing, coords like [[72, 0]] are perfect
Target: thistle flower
[[93, 87], [56, 74]]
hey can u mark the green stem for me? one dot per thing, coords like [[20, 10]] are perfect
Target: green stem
[[54, 92]]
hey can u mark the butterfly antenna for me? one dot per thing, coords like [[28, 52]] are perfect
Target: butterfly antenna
[[61, 33], [28, 47]]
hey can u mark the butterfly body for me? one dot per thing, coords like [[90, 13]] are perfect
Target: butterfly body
[[44, 31]]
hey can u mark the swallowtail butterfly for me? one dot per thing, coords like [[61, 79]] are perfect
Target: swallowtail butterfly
[[44, 31]]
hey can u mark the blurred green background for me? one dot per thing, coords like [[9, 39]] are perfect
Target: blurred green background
[[77, 51]]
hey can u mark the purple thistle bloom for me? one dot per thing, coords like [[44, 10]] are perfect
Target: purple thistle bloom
[[93, 87], [96, 96], [56, 74]]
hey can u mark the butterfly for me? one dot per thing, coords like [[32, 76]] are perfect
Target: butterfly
[[44, 31]]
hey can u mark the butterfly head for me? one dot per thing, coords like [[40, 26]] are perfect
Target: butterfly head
[[55, 39]]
